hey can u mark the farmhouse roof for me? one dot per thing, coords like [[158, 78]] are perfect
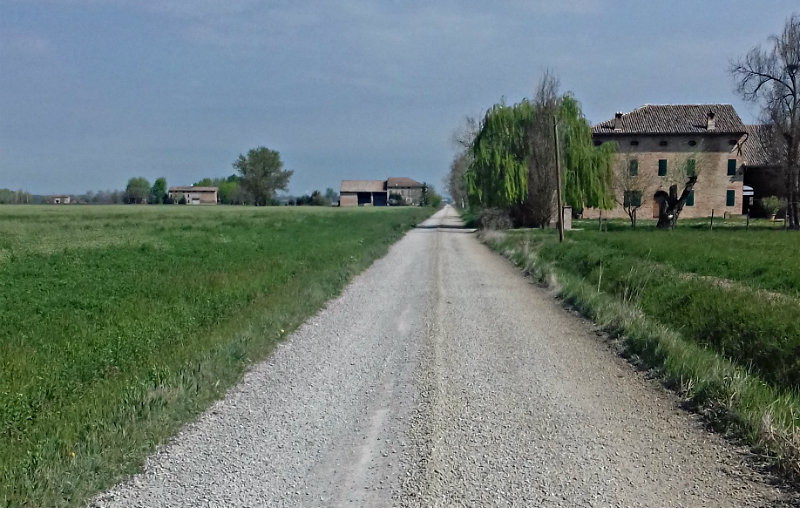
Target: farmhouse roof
[[403, 182], [192, 188], [363, 186], [674, 119], [753, 151]]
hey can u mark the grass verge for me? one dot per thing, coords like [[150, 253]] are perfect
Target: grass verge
[[755, 403], [122, 323]]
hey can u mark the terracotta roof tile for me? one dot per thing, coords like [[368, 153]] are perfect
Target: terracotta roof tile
[[753, 151], [191, 188], [363, 186], [403, 182], [675, 119]]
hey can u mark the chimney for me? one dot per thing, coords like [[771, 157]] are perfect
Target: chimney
[[711, 124], [618, 122]]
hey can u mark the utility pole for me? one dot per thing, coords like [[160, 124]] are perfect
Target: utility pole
[[560, 222]]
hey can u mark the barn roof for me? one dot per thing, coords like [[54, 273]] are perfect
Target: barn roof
[[674, 119], [753, 151], [403, 182], [192, 188], [363, 186]]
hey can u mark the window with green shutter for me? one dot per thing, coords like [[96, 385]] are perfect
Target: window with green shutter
[[730, 198], [632, 199], [690, 167], [633, 167], [731, 167], [662, 167], [690, 199]]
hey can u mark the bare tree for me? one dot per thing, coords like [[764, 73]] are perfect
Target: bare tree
[[681, 171], [538, 208], [462, 139], [464, 135], [630, 185], [455, 181], [769, 76]]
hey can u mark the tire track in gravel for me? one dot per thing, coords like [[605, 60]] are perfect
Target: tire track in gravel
[[441, 377]]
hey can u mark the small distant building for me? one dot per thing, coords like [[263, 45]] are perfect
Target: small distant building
[[58, 199], [193, 195], [392, 191], [410, 191], [363, 192]]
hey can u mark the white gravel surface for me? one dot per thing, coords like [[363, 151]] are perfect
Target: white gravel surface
[[441, 377]]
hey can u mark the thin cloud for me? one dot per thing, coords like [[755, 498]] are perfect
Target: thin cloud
[[25, 45]]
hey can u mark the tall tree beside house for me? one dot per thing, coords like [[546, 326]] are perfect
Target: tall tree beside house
[[331, 196], [588, 170], [262, 174], [158, 192], [511, 161], [137, 190], [770, 77], [455, 181], [630, 185], [498, 173]]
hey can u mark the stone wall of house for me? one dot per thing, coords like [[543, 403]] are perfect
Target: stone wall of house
[[411, 195], [711, 153], [348, 199]]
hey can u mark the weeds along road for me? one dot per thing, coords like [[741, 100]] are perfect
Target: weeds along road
[[441, 377]]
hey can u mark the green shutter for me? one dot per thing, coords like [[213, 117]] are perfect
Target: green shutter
[[662, 167], [730, 198], [690, 167], [633, 167], [690, 199], [731, 167], [632, 198]]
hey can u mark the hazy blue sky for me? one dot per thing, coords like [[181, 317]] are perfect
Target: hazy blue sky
[[93, 92]]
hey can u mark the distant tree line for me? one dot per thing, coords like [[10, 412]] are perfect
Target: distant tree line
[[17, 197]]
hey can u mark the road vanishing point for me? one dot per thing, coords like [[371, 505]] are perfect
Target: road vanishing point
[[442, 377]]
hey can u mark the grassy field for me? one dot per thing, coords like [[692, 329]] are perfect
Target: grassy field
[[120, 323], [715, 312]]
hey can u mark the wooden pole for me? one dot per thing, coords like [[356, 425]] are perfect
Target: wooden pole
[[558, 186], [712, 219]]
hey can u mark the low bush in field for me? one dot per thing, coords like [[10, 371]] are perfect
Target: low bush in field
[[120, 323], [493, 218]]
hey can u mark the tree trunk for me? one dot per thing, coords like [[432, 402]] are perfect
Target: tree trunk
[[670, 205]]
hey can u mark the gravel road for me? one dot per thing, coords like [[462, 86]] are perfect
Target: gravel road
[[441, 377]]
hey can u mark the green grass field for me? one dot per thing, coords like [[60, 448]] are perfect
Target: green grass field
[[716, 312], [120, 323]]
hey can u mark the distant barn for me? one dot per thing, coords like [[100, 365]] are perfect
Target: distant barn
[[192, 195], [394, 191], [363, 192], [58, 199]]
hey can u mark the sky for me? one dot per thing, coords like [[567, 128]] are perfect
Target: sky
[[94, 92]]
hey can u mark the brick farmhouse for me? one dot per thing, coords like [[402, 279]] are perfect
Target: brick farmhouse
[[193, 195], [658, 145]]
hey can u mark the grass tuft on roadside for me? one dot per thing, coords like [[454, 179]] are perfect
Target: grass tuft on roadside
[[731, 355], [122, 323]]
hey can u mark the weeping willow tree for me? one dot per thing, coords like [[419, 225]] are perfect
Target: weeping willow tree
[[588, 170], [498, 173], [513, 159]]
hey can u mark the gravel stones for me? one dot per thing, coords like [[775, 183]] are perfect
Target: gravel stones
[[440, 377]]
